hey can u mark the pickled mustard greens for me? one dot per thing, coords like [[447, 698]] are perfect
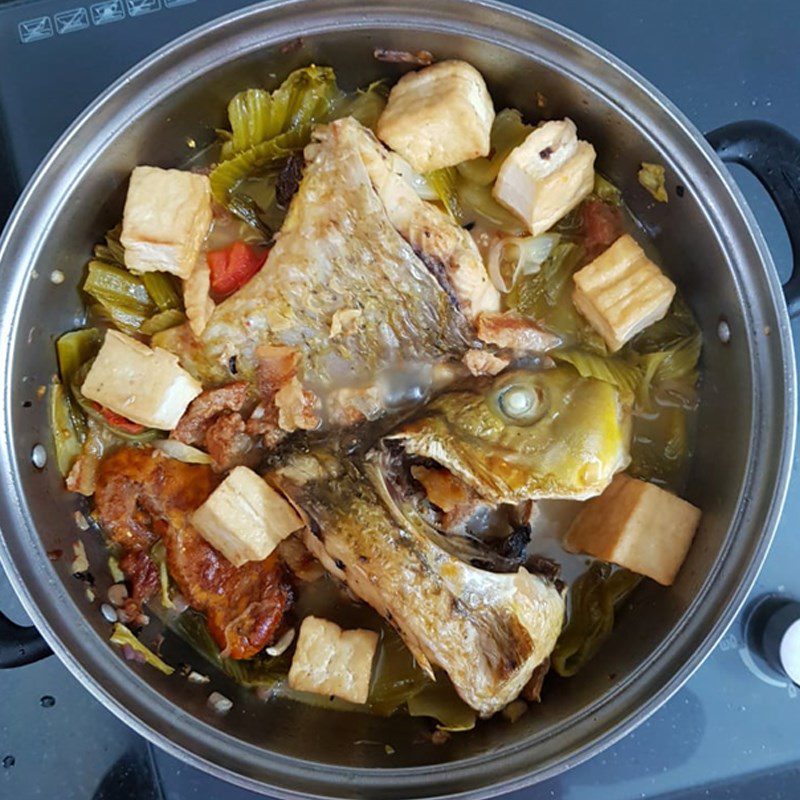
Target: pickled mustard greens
[[131, 303], [652, 177], [68, 429], [594, 598], [508, 131], [546, 296], [444, 183], [67, 420], [466, 190], [266, 128], [606, 191], [123, 637], [513, 257], [191, 627]]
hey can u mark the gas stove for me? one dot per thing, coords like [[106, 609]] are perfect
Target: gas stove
[[731, 732]]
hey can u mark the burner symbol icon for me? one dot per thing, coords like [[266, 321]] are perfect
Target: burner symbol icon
[[34, 30], [137, 8], [107, 11], [76, 19]]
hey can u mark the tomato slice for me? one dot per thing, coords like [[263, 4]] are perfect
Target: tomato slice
[[602, 226], [118, 421], [233, 267]]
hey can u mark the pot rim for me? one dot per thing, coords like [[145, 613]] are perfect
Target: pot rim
[[361, 780]]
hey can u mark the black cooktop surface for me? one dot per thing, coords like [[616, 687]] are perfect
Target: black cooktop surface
[[734, 730]]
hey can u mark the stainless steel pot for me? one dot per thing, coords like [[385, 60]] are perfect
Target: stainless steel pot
[[706, 235]]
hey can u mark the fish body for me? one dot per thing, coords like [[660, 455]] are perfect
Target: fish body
[[364, 278], [488, 631]]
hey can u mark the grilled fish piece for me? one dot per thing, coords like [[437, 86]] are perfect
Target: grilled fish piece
[[488, 631], [364, 278], [526, 435]]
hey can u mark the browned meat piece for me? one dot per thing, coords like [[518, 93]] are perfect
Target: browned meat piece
[[138, 488], [244, 605], [143, 496], [143, 580], [228, 443], [204, 409], [142, 575], [602, 226], [214, 421], [514, 332], [263, 423], [122, 505]]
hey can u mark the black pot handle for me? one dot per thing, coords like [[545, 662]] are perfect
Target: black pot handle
[[773, 156], [20, 645]]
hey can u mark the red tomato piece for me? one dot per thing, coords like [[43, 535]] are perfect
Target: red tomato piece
[[118, 421], [602, 226], [232, 267]]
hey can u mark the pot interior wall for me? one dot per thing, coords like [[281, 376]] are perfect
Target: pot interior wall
[[690, 250]]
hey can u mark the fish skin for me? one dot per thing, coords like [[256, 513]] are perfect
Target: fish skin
[[340, 249], [572, 452], [447, 249], [488, 631]]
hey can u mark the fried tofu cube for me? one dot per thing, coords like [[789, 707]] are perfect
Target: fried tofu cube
[[245, 518], [145, 385], [638, 526], [621, 292], [331, 661], [439, 116], [166, 219], [546, 176]]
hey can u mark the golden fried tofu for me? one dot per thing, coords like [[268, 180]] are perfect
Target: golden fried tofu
[[245, 518], [439, 116], [166, 219], [621, 292], [332, 661], [636, 525], [546, 176], [145, 385]]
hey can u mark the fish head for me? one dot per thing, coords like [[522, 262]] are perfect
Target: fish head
[[526, 435]]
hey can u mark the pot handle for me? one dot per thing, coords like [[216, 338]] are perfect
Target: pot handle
[[773, 156], [20, 645]]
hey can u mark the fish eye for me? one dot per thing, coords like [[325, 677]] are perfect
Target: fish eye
[[521, 400]]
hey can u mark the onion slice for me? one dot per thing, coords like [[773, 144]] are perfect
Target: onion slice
[[182, 452], [510, 257]]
